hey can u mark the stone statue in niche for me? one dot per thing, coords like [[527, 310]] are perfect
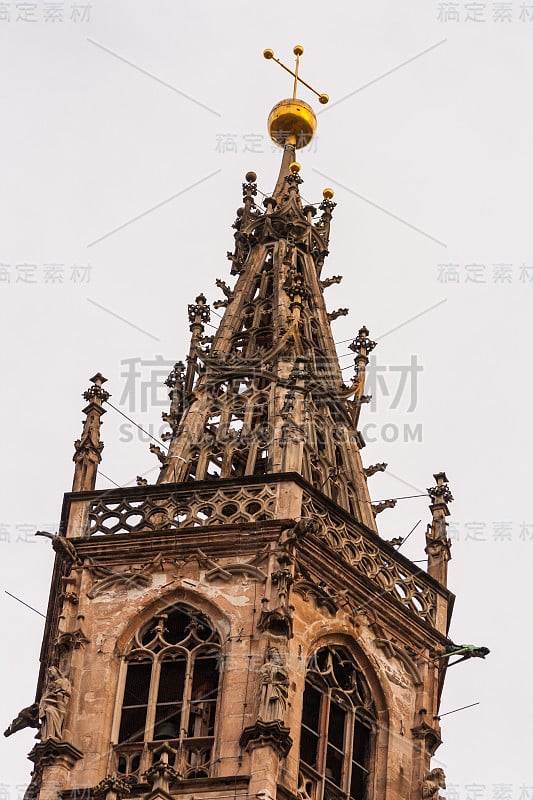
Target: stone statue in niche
[[53, 705], [432, 783], [274, 687]]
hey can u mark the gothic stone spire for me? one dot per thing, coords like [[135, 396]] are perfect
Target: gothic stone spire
[[269, 395]]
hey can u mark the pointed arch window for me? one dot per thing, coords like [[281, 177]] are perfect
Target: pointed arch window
[[170, 692], [338, 725]]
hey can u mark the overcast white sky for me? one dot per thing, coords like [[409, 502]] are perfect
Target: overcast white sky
[[127, 131]]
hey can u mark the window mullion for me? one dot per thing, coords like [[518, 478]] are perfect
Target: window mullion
[[187, 691], [336, 760], [348, 751], [152, 700], [119, 699], [323, 736]]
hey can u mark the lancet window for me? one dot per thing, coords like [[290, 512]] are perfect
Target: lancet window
[[257, 316], [170, 692], [338, 725]]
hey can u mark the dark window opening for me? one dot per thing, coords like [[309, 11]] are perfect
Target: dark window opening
[[173, 697], [337, 725], [169, 699], [261, 462], [135, 702], [360, 757]]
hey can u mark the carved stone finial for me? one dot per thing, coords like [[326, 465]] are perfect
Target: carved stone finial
[[175, 382], [323, 226], [362, 345], [438, 546], [96, 391], [88, 449], [199, 312], [161, 774], [175, 377], [440, 494], [327, 206], [112, 787], [249, 189], [294, 180], [199, 315]]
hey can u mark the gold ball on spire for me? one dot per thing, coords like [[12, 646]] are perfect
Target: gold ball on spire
[[268, 53], [251, 177], [327, 194], [298, 50], [292, 122], [295, 167], [323, 98]]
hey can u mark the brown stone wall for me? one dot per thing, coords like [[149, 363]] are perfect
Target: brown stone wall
[[110, 618]]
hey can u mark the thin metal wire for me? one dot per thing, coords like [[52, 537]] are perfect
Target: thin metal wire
[[462, 708], [410, 532], [406, 497], [109, 479], [138, 426], [25, 604]]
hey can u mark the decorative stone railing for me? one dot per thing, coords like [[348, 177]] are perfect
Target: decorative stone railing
[[186, 507], [192, 759], [368, 555]]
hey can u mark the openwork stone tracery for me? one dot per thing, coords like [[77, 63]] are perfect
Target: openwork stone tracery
[[406, 584], [338, 722], [170, 694], [269, 394]]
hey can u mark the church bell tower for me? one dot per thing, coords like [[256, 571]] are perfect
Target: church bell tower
[[239, 629]]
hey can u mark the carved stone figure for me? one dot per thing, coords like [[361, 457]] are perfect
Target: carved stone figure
[[27, 718], [112, 787], [292, 535], [62, 546], [274, 687], [306, 525], [53, 705], [433, 781]]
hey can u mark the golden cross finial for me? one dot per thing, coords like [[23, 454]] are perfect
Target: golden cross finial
[[292, 122], [298, 51]]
